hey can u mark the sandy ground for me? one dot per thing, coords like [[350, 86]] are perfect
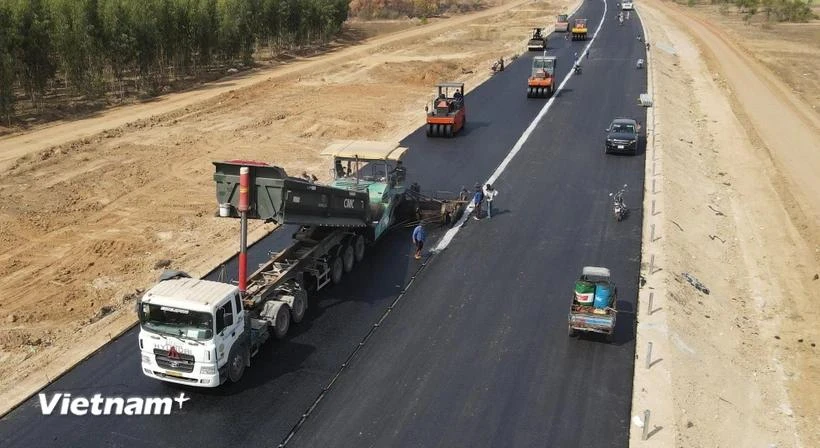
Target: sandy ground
[[85, 225], [734, 207], [789, 50]]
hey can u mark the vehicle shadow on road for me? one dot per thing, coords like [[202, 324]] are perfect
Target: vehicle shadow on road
[[625, 325]]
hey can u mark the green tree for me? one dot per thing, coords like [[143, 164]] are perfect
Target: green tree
[[34, 30], [204, 25], [120, 48], [79, 42], [8, 41]]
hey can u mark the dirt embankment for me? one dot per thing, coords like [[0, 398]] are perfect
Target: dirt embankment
[[736, 366], [85, 225]]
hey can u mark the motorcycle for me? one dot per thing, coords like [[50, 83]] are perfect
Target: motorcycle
[[498, 66], [577, 69], [619, 208]]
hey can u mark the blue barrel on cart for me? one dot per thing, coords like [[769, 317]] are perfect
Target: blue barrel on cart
[[603, 296]]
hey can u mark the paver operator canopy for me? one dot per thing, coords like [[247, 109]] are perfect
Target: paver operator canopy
[[371, 166]]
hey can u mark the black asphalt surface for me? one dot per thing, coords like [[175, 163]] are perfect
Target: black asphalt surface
[[476, 351]]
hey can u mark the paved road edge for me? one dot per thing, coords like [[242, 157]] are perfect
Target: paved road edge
[[652, 412]]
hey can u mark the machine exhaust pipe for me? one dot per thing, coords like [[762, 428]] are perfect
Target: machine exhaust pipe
[[244, 182]]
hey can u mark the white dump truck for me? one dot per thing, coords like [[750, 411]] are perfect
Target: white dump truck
[[202, 333]]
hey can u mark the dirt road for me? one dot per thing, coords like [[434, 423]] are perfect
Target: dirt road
[[85, 224], [736, 205]]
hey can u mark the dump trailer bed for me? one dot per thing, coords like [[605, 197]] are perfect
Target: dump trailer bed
[[290, 200]]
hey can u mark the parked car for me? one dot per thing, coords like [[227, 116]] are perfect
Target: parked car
[[622, 136]]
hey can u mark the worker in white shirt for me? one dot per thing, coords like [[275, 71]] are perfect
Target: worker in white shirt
[[489, 194]]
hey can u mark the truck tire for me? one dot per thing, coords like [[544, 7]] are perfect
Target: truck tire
[[570, 331], [358, 248], [236, 364], [282, 322], [299, 308], [348, 259], [336, 270]]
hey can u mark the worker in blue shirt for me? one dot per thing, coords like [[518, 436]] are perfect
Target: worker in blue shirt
[[478, 198], [419, 235]]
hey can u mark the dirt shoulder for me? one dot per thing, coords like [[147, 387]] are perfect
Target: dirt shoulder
[[737, 365], [86, 224]]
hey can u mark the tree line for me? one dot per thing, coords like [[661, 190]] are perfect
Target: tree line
[[95, 46], [773, 10]]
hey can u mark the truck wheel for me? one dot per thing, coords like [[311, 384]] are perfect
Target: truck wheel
[[336, 270], [347, 258], [297, 311], [570, 331], [358, 248], [236, 364], [282, 322]]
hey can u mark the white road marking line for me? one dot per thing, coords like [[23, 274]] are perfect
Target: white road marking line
[[451, 233]]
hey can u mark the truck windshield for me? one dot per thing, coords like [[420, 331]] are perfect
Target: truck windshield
[[176, 322]]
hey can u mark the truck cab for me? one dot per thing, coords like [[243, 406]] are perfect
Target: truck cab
[[188, 328]]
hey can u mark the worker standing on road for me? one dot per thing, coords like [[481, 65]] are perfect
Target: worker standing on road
[[489, 194], [478, 198], [419, 235]]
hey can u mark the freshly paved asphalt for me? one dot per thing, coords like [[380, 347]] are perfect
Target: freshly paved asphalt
[[476, 351]]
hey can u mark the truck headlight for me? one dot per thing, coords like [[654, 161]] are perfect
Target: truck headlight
[[146, 359], [207, 370]]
